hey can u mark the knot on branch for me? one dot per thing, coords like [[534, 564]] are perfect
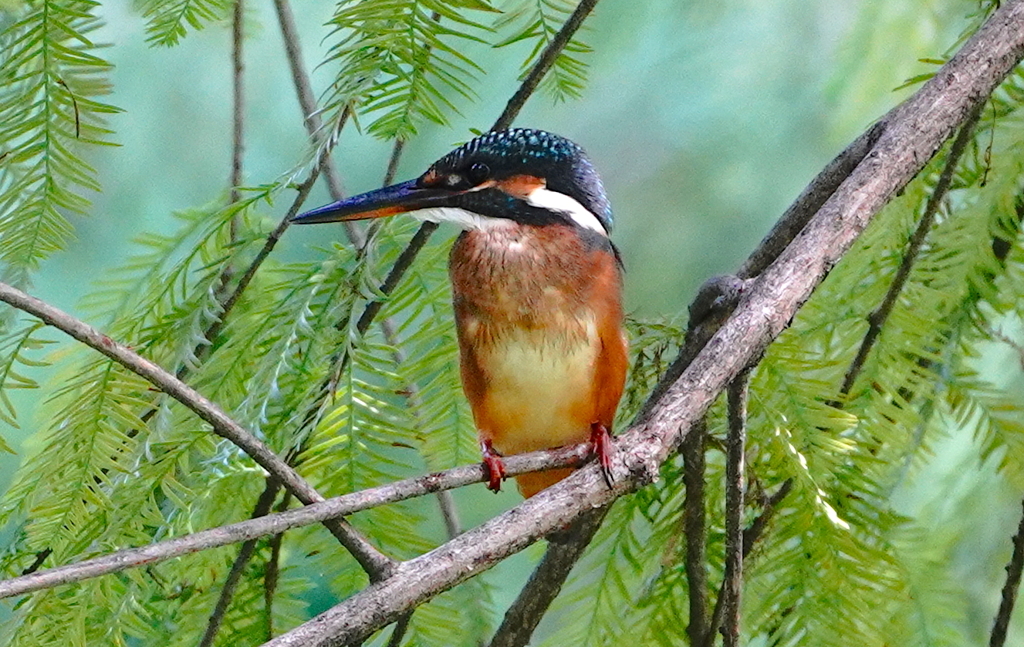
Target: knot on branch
[[716, 299]]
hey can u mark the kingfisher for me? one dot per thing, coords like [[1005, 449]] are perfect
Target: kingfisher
[[536, 290]]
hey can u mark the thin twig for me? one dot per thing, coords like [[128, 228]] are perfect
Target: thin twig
[[735, 493], [540, 591], [399, 631], [310, 113], [272, 573], [695, 531], [543, 64], [238, 106], [302, 192], [757, 527], [372, 560], [277, 523], [227, 591], [1010, 589], [751, 535], [393, 161], [877, 319]]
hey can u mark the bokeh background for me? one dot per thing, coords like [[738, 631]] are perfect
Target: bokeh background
[[705, 117]]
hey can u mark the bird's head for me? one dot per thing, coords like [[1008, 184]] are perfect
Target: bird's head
[[522, 175]]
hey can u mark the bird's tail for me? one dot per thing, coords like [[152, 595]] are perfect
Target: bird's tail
[[534, 482]]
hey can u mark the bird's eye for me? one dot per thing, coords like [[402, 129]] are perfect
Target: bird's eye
[[478, 172]]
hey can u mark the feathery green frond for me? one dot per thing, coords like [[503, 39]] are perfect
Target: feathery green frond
[[401, 62], [50, 78], [14, 349], [538, 21], [168, 21]]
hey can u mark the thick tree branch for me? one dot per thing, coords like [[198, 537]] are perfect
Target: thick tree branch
[[223, 425], [278, 523], [781, 235], [914, 132]]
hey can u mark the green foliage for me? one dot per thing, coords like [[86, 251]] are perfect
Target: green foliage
[[401, 60], [118, 464], [169, 20], [14, 349], [539, 21], [50, 78]]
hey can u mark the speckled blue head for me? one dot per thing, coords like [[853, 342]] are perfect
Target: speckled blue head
[[561, 163], [524, 175]]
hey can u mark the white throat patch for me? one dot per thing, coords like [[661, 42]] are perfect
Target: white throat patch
[[461, 217]]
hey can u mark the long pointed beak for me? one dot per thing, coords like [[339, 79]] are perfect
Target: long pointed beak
[[391, 200]]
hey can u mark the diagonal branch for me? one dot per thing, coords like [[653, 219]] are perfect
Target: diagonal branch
[[809, 201], [223, 425], [544, 585], [914, 132]]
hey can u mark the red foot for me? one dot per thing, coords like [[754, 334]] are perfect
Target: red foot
[[492, 463], [603, 450]]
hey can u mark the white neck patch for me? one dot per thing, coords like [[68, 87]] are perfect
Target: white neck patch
[[545, 198]]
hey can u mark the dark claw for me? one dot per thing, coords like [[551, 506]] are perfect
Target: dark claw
[[603, 451], [493, 465]]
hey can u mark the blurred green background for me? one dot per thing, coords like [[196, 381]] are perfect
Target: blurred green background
[[705, 118]]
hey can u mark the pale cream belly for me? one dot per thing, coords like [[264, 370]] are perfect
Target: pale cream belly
[[538, 388]]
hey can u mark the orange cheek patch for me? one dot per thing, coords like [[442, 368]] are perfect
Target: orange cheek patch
[[521, 186], [430, 178]]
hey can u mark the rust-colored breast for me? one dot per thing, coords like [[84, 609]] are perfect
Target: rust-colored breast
[[539, 317]]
